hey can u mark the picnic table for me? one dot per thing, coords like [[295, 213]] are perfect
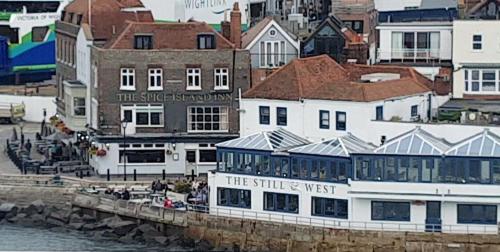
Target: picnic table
[[48, 169]]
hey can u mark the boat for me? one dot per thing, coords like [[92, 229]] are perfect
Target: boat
[[27, 39]]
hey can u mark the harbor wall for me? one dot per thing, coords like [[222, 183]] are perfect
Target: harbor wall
[[248, 235], [34, 105]]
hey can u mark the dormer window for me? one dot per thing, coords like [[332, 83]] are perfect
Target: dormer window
[[63, 15], [70, 20], [143, 42], [206, 41], [79, 19]]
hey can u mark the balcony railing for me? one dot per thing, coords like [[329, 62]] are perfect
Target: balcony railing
[[413, 55]]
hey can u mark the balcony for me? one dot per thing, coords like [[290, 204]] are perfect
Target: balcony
[[410, 56]]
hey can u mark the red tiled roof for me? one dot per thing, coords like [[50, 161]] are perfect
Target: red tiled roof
[[108, 16], [167, 35], [322, 78]]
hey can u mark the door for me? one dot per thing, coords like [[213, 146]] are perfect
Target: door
[[433, 220]]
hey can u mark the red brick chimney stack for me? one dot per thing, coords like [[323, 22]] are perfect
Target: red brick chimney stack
[[236, 25]]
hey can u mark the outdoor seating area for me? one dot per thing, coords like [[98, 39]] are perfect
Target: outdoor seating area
[[50, 152]]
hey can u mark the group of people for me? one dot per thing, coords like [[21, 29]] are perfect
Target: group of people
[[157, 186], [124, 194], [199, 194]]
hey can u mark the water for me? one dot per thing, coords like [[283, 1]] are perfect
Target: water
[[17, 238]]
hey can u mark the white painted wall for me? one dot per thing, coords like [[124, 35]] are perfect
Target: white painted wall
[[445, 39], [303, 117], [463, 32], [171, 166], [34, 105], [359, 195], [395, 5]]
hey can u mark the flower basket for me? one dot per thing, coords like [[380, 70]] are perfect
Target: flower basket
[[101, 153]]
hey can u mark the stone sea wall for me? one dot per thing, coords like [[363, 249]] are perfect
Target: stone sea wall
[[123, 221]]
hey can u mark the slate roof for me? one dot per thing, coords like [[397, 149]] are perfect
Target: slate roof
[[322, 78], [276, 140]]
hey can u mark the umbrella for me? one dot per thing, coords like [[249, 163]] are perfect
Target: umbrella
[[58, 136], [14, 134]]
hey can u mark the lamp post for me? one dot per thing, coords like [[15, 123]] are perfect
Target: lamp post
[[124, 126], [21, 125]]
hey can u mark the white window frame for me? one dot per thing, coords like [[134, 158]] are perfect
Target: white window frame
[[219, 75], [94, 68], [223, 119], [157, 75], [281, 53], [149, 108], [468, 81], [129, 73], [74, 106], [193, 79], [477, 42]]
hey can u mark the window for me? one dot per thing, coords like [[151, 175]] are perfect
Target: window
[[38, 33], [208, 156], [272, 53], [155, 79], [379, 113], [193, 78], [127, 79], [281, 116], [280, 202], [206, 41], [11, 33], [476, 214], [414, 111], [336, 208], [127, 115], [143, 156], [233, 197], [482, 80], [390, 211], [355, 25], [208, 119], [264, 115], [79, 19], [191, 156], [341, 120], [477, 42], [227, 162], [324, 119], [143, 42], [78, 106], [149, 115], [221, 78]]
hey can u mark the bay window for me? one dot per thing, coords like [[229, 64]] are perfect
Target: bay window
[[482, 81]]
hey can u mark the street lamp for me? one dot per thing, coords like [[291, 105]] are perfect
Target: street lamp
[[124, 126], [21, 125]]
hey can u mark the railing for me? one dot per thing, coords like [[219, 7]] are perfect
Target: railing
[[415, 55], [177, 216]]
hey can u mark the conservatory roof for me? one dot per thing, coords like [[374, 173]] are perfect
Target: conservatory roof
[[276, 140], [484, 144], [414, 142], [339, 147]]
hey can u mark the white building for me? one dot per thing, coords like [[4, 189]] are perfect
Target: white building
[[418, 38], [391, 5], [476, 59], [414, 182], [317, 98]]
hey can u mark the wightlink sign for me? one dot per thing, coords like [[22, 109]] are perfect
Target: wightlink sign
[[286, 185]]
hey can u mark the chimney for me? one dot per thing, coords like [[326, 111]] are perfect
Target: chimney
[[235, 29], [226, 29]]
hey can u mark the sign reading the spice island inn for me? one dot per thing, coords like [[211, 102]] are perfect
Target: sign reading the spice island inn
[[164, 97]]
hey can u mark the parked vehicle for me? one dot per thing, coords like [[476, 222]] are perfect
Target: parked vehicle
[[10, 113]]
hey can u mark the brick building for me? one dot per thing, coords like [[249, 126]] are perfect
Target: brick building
[[175, 88]]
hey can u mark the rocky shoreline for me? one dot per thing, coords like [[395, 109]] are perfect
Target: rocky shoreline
[[38, 214]]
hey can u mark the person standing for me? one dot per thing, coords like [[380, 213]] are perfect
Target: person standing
[[28, 146]]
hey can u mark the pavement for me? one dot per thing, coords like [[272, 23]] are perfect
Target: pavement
[[29, 129]]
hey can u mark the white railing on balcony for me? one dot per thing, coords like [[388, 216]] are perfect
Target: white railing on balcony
[[415, 55]]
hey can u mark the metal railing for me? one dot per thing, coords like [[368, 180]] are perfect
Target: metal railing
[[178, 216], [415, 55]]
